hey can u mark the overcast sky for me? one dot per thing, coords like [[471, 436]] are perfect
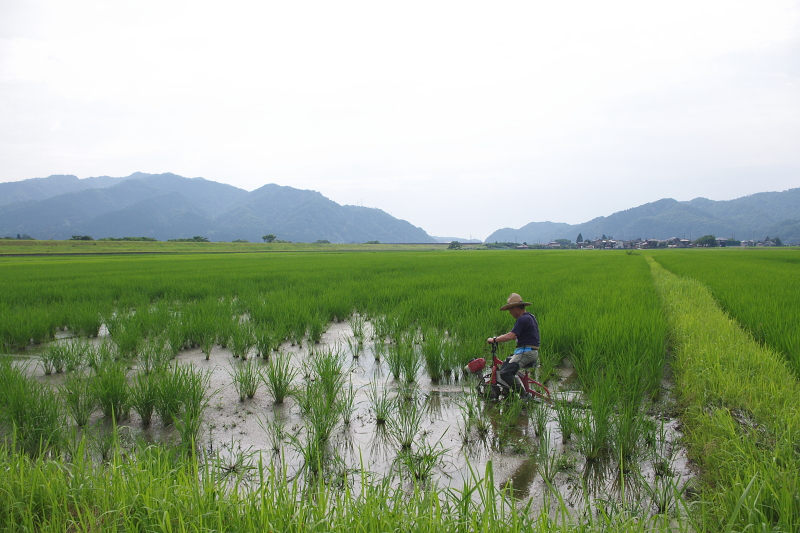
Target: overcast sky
[[460, 117]]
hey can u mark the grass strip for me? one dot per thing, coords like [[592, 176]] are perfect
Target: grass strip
[[741, 409]]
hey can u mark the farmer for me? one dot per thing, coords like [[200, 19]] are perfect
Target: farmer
[[526, 333]]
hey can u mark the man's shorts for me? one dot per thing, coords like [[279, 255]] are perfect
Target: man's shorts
[[525, 356]]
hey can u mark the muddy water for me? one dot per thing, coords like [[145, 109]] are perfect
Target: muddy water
[[537, 467]]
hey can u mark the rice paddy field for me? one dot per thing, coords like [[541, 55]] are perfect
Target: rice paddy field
[[327, 391]]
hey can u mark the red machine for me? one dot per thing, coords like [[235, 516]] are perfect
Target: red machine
[[492, 387]]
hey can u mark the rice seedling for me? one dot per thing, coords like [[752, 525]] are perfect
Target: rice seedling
[[382, 404], [144, 396], [379, 350], [327, 367], [77, 355], [246, 376], [275, 427], [539, 415], [567, 419], [381, 327], [627, 432], [433, 352], [471, 416], [404, 426], [176, 334], [85, 320], [154, 356], [511, 411], [169, 387], [194, 394], [354, 347], [346, 403], [242, 340], [79, 398], [54, 358], [418, 464], [109, 386], [320, 412], [316, 327], [595, 426], [127, 337], [266, 341], [279, 375], [31, 414], [358, 325]]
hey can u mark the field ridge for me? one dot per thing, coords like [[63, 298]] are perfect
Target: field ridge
[[741, 408]]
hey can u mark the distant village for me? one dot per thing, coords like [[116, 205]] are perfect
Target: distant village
[[674, 242]]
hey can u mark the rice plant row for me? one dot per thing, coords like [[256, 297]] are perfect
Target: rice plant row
[[758, 288]]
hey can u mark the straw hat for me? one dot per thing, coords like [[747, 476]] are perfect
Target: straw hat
[[513, 301]]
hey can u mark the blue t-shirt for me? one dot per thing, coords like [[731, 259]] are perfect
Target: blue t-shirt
[[526, 329]]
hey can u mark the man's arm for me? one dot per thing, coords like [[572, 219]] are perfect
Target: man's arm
[[510, 336]]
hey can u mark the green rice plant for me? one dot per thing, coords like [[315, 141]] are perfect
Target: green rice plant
[[31, 414], [511, 411], [101, 354], [627, 433], [346, 403], [144, 396], [54, 358], [225, 328], [379, 350], [128, 338], [316, 327], [358, 324], [539, 415], [206, 336], [85, 320], [279, 375], [433, 352], [169, 390], [410, 361], [320, 412], [381, 326], [327, 366], [177, 335], [418, 464], [242, 340], [354, 347], [77, 355], [404, 426], [79, 398], [266, 341], [246, 376], [469, 405], [382, 404], [595, 426], [109, 386], [154, 355], [275, 427], [194, 394], [567, 418], [547, 459]]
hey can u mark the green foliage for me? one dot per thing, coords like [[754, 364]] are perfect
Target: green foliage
[[196, 238], [81, 238], [706, 240], [454, 245], [129, 239]]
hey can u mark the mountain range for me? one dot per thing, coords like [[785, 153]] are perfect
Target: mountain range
[[757, 216], [168, 206]]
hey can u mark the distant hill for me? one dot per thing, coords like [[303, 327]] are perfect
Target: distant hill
[[773, 214], [168, 206]]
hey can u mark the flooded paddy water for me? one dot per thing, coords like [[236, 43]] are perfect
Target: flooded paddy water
[[454, 433]]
